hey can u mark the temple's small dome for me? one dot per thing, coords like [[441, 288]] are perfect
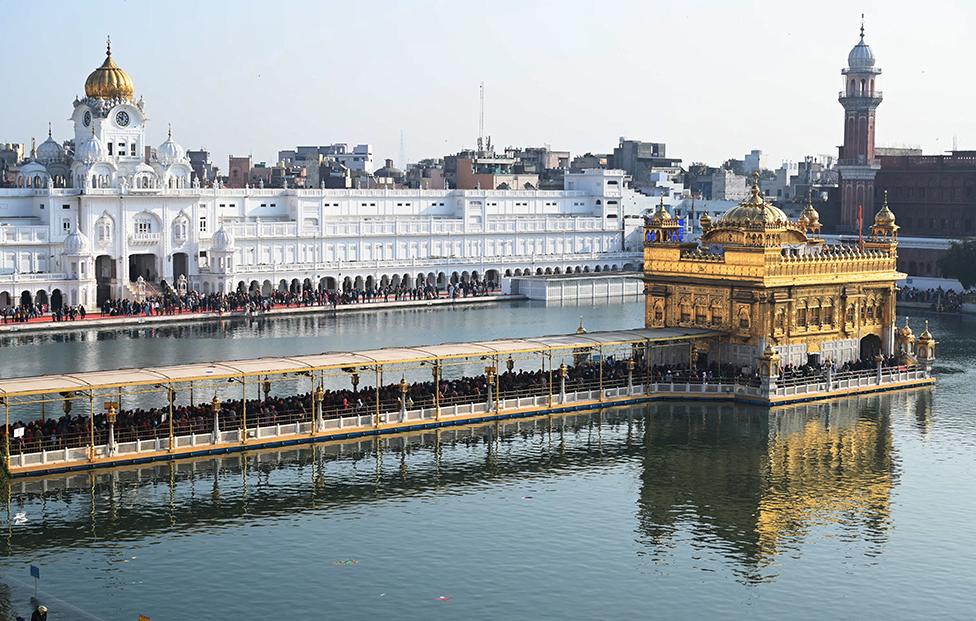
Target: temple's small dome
[[170, 152], [222, 240], [91, 150], [76, 243]]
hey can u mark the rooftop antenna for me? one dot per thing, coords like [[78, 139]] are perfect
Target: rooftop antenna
[[481, 118], [403, 151]]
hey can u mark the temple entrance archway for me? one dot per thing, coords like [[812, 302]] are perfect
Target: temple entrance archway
[[104, 277], [870, 346], [181, 265], [143, 265]]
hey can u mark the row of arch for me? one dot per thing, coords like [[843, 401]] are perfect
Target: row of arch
[[55, 301], [330, 283]]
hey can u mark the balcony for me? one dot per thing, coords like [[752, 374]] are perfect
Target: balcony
[[865, 99], [23, 235], [144, 239]]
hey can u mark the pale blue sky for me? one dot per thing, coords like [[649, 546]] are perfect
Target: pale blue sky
[[712, 79]]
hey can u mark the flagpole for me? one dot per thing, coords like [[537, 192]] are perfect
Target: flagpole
[[860, 228]]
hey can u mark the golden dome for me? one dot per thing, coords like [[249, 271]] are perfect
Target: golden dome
[[811, 215], [926, 336], [885, 217], [661, 216], [906, 332], [705, 221], [755, 210], [109, 81]]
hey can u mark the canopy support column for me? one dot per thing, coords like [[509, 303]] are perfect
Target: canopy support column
[[6, 433], [171, 394], [243, 409], [549, 354], [437, 389], [91, 425], [600, 349], [379, 380]]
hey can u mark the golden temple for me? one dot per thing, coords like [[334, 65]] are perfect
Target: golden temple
[[774, 286]]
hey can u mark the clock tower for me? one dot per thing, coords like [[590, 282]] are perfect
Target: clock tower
[[110, 114]]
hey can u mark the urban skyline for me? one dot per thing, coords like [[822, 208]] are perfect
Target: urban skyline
[[787, 118]]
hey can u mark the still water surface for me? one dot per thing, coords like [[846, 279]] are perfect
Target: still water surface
[[861, 507]]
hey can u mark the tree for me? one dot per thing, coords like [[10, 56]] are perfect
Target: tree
[[959, 262]]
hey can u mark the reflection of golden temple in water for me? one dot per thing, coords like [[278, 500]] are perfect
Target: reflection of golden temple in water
[[747, 481], [754, 483]]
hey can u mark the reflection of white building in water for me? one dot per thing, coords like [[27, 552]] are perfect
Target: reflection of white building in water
[[86, 225]]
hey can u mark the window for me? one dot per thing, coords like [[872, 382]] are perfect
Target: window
[[66, 225], [132, 149], [62, 206], [110, 149], [143, 226], [203, 224], [104, 229]]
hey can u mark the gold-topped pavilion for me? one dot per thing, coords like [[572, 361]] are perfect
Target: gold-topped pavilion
[[771, 282]]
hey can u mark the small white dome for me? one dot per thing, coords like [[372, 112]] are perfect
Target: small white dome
[[145, 168], [32, 168], [91, 151], [76, 243], [170, 152], [861, 56], [49, 151], [222, 240]]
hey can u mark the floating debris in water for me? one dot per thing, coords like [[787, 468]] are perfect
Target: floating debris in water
[[443, 598], [20, 518], [347, 562]]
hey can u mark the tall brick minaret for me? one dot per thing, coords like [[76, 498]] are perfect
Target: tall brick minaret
[[856, 162]]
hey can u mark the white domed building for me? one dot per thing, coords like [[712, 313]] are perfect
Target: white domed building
[[86, 223]]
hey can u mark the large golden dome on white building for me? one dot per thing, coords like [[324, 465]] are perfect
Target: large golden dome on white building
[[109, 81]]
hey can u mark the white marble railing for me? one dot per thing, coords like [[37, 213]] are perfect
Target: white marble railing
[[360, 227], [480, 261], [144, 238], [23, 234], [32, 278]]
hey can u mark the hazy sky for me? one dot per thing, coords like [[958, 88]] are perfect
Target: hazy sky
[[711, 79]]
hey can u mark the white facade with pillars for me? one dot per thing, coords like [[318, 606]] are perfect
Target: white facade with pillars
[[82, 226]]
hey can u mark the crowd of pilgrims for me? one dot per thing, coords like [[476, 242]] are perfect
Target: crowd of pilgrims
[[72, 430], [938, 299], [812, 370], [27, 312], [172, 303]]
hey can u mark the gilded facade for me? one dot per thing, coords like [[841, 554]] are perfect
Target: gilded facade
[[766, 280]]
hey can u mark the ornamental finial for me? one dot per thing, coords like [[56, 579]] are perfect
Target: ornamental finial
[[169, 131], [862, 26], [108, 45], [49, 129]]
